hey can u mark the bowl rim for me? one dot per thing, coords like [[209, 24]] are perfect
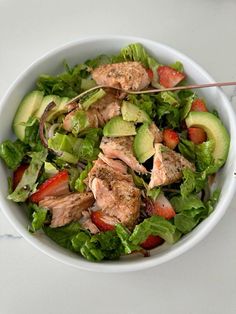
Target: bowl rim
[[135, 265]]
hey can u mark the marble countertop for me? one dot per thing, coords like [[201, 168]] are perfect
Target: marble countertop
[[202, 280]]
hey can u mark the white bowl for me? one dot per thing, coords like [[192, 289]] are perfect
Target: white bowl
[[77, 52]]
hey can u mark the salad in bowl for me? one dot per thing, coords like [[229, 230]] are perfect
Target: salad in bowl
[[105, 170]]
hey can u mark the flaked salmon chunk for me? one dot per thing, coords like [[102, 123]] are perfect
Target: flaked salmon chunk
[[115, 194], [121, 148], [126, 75], [167, 166], [67, 208], [98, 114], [156, 132]]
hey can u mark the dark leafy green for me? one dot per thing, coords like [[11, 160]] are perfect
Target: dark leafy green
[[66, 84]]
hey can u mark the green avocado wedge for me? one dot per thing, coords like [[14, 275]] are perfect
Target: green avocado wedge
[[215, 131], [117, 127], [28, 106], [144, 143]]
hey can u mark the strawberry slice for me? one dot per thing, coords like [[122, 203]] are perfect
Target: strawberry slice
[[99, 219], [160, 207], [170, 138], [197, 135], [56, 185], [151, 242], [18, 174], [150, 73], [169, 77], [198, 105]]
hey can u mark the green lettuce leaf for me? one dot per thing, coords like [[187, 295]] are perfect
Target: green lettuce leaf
[[100, 60], [167, 115], [190, 211], [88, 150], [136, 52], [155, 225], [32, 137], [124, 235], [154, 193], [79, 185], [12, 153], [66, 84], [204, 155], [169, 98], [178, 66], [29, 178], [38, 216], [91, 98], [186, 203], [187, 149], [104, 245], [211, 203], [80, 122], [63, 235]]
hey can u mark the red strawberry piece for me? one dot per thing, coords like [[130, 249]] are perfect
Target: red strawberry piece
[[160, 207], [56, 185], [198, 105], [17, 175], [169, 77], [151, 242], [170, 138], [150, 73], [99, 219], [197, 135]]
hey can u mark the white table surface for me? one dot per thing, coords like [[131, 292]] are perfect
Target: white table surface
[[203, 280]]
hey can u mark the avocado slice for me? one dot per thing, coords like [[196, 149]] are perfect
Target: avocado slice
[[46, 100], [215, 131], [144, 143], [131, 112], [30, 103], [117, 127]]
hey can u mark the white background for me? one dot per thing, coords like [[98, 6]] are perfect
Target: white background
[[203, 280]]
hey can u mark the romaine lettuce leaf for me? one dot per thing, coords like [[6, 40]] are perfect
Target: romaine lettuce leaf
[[12, 153], [167, 115], [136, 52], [79, 183], [124, 235], [32, 137], [204, 155], [155, 225], [38, 216], [29, 178], [190, 211], [66, 84], [91, 98], [100, 60], [211, 203], [178, 66]]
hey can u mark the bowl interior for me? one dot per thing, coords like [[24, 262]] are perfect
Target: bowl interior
[[80, 51]]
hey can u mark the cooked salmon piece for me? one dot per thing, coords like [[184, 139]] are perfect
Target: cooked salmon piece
[[158, 135], [87, 223], [122, 148], [167, 166], [98, 114], [115, 164], [67, 208], [126, 75], [115, 194]]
